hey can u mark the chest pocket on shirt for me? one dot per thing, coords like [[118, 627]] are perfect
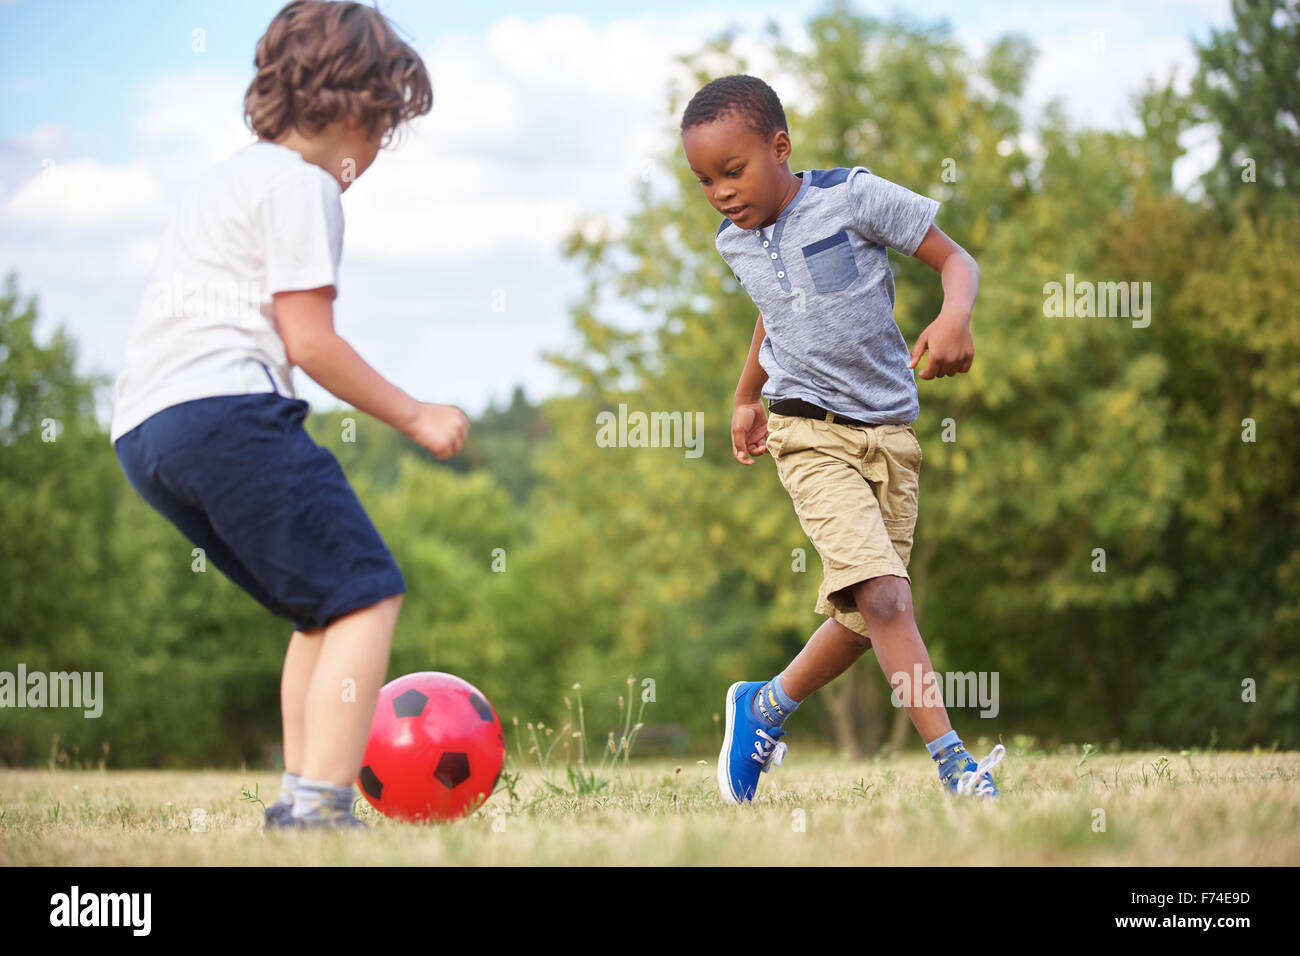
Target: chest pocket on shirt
[[830, 262]]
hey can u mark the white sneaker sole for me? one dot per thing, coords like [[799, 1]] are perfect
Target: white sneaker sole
[[724, 759]]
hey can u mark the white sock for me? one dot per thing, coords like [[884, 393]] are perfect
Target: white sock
[[287, 782], [313, 796]]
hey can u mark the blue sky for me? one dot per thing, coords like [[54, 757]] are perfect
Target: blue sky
[[82, 63], [115, 101]]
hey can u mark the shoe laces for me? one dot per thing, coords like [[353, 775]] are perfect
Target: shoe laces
[[974, 781], [771, 753]]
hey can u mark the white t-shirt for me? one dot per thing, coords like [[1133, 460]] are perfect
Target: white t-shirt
[[264, 220]]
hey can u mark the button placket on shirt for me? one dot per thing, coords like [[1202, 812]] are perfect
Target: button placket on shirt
[[772, 248]]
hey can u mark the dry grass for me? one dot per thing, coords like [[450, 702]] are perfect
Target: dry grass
[[1197, 808]]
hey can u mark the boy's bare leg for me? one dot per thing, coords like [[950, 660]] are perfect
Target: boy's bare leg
[[353, 648], [886, 605], [829, 653], [299, 663]]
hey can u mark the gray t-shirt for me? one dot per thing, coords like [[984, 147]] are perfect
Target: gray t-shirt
[[823, 285]]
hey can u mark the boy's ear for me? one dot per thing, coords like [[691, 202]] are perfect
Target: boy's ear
[[781, 146]]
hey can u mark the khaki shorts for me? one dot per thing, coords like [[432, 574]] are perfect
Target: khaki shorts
[[854, 488]]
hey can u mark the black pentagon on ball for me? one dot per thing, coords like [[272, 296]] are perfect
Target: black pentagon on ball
[[371, 784], [452, 771], [409, 703], [482, 706]]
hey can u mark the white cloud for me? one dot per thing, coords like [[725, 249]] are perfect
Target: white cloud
[[85, 194], [1202, 146], [192, 119], [189, 121], [1096, 74], [534, 126], [44, 141], [1095, 57], [1218, 10]]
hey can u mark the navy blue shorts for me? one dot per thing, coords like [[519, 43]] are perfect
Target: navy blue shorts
[[241, 478]]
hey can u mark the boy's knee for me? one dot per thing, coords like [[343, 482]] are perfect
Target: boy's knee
[[884, 600]]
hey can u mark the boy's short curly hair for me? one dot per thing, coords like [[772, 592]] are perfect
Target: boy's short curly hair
[[746, 96], [320, 62]]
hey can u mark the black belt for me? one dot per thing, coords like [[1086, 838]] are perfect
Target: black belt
[[797, 406]]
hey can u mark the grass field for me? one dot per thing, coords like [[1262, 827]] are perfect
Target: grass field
[[1190, 808]]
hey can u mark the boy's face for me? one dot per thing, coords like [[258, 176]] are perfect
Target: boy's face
[[744, 176]]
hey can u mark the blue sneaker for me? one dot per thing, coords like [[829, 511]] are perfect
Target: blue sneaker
[[320, 819], [277, 815], [961, 775], [749, 748]]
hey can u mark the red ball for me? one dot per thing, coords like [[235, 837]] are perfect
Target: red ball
[[435, 749]]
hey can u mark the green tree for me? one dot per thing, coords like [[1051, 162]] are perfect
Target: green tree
[[1248, 85], [54, 515]]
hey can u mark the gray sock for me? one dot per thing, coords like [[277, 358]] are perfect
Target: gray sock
[[287, 782], [316, 796], [771, 705]]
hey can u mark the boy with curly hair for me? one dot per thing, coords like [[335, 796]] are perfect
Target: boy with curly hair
[[810, 249], [206, 424]]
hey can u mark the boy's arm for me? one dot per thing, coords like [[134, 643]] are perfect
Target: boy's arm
[[306, 324], [749, 420], [750, 387], [948, 337]]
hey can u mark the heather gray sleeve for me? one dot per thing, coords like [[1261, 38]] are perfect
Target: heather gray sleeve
[[889, 214]]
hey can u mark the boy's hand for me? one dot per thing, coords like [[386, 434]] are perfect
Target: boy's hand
[[748, 431], [950, 345], [439, 428]]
